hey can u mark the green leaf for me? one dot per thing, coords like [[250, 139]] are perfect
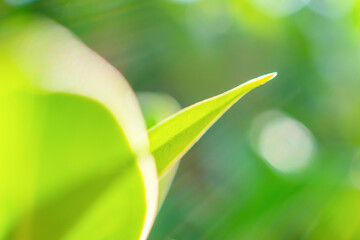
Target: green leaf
[[172, 138], [155, 108], [75, 163]]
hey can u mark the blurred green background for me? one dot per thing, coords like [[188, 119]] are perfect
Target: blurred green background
[[284, 163]]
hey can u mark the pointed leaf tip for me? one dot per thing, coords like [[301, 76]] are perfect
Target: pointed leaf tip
[[260, 80], [172, 138], [268, 77], [271, 76]]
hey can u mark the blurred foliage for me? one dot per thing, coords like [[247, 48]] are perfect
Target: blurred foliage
[[225, 188], [68, 151]]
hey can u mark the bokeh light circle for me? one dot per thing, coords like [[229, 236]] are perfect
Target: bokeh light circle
[[283, 142], [332, 8], [279, 8]]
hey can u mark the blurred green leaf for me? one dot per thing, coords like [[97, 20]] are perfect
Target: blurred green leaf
[[173, 137], [76, 166]]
